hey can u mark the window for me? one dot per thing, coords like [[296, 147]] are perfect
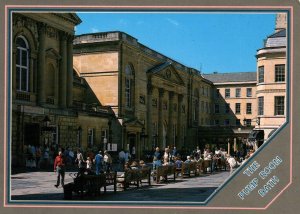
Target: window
[[206, 107], [237, 108], [237, 122], [279, 105], [261, 74], [195, 110], [226, 122], [104, 135], [227, 108], [217, 95], [202, 106], [237, 92], [279, 73], [227, 92], [217, 108], [90, 137], [249, 108], [249, 92], [248, 122], [217, 122], [22, 65], [128, 86], [260, 105]]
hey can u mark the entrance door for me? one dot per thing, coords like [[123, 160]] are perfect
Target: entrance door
[[32, 134], [132, 144]]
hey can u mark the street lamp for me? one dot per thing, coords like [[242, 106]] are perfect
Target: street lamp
[[109, 140], [143, 135], [79, 132], [46, 121]]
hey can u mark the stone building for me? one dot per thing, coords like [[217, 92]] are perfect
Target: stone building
[[155, 98], [51, 106], [112, 92], [272, 78]]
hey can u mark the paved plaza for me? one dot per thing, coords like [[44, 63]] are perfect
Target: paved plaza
[[40, 186]]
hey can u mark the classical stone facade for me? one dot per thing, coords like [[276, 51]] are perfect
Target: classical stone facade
[[160, 102], [114, 92], [155, 98], [51, 105]]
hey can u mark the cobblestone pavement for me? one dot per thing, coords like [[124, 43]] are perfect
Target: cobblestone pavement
[[40, 186]]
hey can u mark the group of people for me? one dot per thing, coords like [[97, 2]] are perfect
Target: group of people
[[102, 162], [37, 157]]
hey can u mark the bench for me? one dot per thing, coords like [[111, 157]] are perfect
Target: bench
[[164, 171], [89, 184], [221, 164], [206, 164], [188, 169], [135, 177]]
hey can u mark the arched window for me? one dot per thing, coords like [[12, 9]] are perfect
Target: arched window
[[129, 84], [22, 64]]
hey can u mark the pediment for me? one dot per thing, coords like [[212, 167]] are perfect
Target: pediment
[[52, 53], [167, 72], [134, 122]]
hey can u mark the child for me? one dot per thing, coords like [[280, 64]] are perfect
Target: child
[[89, 163]]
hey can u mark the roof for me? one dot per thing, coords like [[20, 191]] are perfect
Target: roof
[[231, 77], [277, 39], [281, 33]]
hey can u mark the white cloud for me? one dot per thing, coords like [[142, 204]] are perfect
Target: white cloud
[[173, 22]]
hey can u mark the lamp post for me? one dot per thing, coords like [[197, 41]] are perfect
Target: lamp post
[[46, 129], [79, 132], [109, 140]]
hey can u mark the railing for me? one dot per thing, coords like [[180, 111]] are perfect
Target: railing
[[23, 96]]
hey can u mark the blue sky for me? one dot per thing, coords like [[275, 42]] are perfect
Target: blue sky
[[210, 42]]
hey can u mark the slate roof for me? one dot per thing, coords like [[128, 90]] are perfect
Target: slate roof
[[277, 39], [231, 77], [281, 33]]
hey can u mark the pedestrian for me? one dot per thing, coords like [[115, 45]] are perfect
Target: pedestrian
[[46, 156], [59, 168], [133, 152], [89, 163], [79, 159], [127, 156], [99, 163], [121, 160], [38, 155], [107, 161]]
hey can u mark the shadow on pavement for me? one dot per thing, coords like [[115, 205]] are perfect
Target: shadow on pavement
[[142, 194]]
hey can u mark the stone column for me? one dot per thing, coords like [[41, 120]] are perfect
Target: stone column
[[160, 117], [31, 70], [41, 65], [70, 71], [63, 70], [179, 123], [170, 119], [14, 74], [149, 114]]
